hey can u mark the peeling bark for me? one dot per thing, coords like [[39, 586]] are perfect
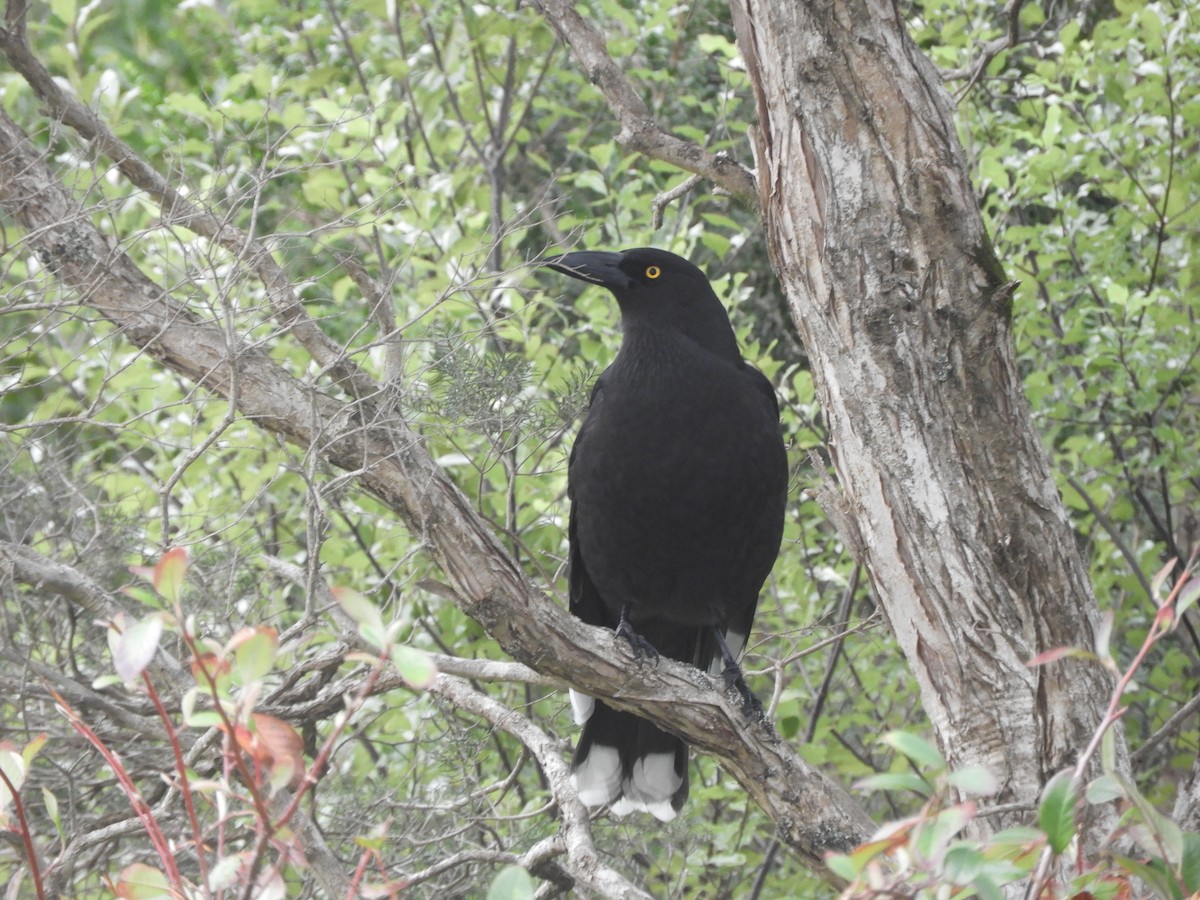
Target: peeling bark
[[874, 230]]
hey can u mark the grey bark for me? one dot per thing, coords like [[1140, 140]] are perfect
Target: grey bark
[[944, 490]]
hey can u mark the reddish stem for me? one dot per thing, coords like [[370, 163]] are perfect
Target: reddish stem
[[34, 869]]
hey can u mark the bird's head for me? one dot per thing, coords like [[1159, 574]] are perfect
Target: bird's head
[[656, 289]]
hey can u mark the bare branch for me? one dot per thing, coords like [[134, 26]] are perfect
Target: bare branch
[[990, 50], [583, 861], [639, 131], [177, 209], [390, 460]]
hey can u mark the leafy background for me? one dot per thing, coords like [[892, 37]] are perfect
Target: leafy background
[[429, 153]]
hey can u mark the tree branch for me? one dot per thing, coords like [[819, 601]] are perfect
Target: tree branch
[[583, 861], [177, 209], [812, 813], [639, 131]]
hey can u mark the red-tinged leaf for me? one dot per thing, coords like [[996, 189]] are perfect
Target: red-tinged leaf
[[285, 748], [30, 750], [1058, 653], [209, 665], [254, 651], [142, 882], [250, 744], [169, 573], [136, 646]]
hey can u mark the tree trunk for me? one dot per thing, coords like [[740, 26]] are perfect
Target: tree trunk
[[944, 491]]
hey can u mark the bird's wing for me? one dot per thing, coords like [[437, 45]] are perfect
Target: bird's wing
[[586, 603], [763, 384]]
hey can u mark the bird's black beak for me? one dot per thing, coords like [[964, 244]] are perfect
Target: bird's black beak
[[595, 266]]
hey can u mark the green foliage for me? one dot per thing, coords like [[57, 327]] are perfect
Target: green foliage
[[412, 158]]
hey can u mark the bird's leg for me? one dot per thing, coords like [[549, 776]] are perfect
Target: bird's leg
[[732, 675], [641, 647]]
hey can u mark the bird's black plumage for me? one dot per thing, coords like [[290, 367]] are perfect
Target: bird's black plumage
[[677, 483]]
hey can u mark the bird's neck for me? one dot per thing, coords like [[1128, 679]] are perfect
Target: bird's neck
[[650, 346], [708, 334]]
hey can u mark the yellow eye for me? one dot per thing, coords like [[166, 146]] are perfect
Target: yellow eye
[[653, 271]]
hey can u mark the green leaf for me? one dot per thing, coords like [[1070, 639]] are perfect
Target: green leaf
[[962, 863], [511, 883], [141, 882], [254, 653], [1189, 868], [1108, 751], [1056, 812], [1104, 789], [1161, 884], [415, 666], [895, 781], [843, 865], [365, 615], [919, 750]]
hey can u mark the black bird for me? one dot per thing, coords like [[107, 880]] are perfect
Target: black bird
[[677, 483]]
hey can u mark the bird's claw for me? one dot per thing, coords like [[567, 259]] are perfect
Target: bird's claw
[[642, 648], [752, 707]]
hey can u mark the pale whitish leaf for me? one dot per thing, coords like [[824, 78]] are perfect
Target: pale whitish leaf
[[1188, 595], [933, 835], [224, 874], [13, 767], [1104, 789], [136, 646], [511, 883], [974, 781], [1160, 578], [1108, 751], [1104, 635], [51, 803]]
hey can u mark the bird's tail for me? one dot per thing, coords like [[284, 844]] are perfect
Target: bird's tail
[[626, 763]]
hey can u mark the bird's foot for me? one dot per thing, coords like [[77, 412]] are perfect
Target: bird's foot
[[642, 648], [752, 708]]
